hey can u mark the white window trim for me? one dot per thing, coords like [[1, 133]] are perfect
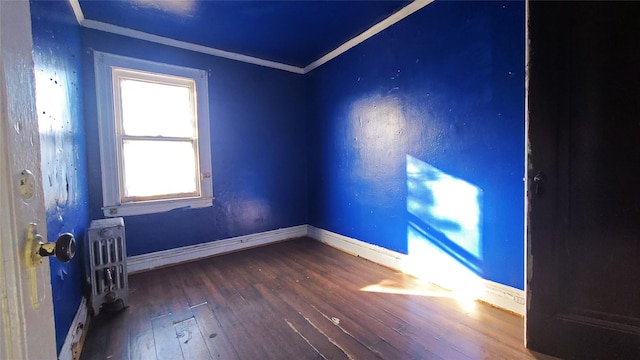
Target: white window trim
[[103, 64]]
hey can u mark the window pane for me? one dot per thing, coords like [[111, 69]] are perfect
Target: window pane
[[153, 168], [151, 109]]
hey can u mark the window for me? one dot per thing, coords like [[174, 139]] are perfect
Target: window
[[154, 136]]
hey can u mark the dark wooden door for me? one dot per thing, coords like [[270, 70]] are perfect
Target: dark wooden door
[[583, 257]]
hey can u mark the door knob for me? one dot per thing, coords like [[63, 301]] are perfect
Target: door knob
[[539, 181], [64, 248]]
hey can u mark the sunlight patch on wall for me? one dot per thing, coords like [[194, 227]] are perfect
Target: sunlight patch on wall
[[444, 231]]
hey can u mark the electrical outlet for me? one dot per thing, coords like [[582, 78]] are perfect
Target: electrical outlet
[[519, 300]]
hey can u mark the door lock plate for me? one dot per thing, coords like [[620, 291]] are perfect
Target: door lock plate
[[27, 184]]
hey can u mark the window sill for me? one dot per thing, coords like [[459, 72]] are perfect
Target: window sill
[[152, 207]]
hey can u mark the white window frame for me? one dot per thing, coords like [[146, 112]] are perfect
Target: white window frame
[[110, 152]]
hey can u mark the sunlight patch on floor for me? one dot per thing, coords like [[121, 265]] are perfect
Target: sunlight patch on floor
[[409, 285]]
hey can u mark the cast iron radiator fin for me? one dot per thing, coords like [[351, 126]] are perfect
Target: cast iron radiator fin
[[108, 265]]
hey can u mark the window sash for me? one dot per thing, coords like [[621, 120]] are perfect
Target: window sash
[[119, 74], [125, 198], [122, 74]]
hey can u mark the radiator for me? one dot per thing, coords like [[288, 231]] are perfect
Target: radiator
[[108, 264]]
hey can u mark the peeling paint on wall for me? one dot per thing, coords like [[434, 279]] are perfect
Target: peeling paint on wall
[[56, 41]]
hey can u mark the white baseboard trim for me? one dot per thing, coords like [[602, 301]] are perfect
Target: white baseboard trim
[[70, 349], [194, 252], [374, 253], [499, 295]]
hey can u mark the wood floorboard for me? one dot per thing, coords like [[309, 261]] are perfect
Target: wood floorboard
[[301, 326], [350, 345], [225, 302], [379, 331], [214, 336], [95, 344], [191, 341], [166, 340], [469, 348], [298, 299], [331, 312], [313, 295], [268, 318], [142, 346], [237, 317]]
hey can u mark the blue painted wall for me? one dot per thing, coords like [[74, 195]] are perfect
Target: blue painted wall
[[258, 121], [57, 57], [443, 89]]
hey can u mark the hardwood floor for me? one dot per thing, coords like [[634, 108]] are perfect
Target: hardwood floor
[[298, 299]]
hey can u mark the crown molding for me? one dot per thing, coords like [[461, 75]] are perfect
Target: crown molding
[[382, 25], [375, 29], [97, 25]]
